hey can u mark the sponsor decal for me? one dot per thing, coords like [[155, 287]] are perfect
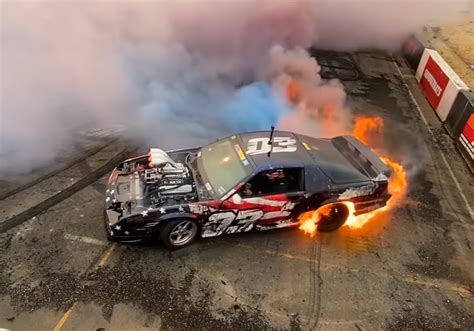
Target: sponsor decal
[[354, 192], [200, 209], [434, 82], [231, 222], [240, 152]]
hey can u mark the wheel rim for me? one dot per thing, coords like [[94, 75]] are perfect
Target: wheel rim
[[183, 232]]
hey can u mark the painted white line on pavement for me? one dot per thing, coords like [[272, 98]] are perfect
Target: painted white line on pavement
[[443, 156], [86, 240]]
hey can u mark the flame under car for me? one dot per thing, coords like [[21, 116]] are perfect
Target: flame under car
[[252, 181]]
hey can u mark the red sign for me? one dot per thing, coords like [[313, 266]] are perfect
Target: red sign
[[468, 131], [433, 82]]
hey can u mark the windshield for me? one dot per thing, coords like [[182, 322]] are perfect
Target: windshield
[[225, 164]]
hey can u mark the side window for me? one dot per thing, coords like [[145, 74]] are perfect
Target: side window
[[274, 181]]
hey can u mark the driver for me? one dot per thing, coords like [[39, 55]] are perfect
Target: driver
[[247, 190], [275, 174], [271, 181], [277, 180]]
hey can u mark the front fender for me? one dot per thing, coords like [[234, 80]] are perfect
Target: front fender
[[173, 216]]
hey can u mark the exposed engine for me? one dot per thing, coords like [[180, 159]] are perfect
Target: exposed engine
[[154, 181]]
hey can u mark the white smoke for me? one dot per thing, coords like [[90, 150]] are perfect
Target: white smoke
[[356, 24], [318, 106], [167, 69]]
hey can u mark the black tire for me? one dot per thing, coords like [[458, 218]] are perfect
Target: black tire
[[335, 219], [178, 233]]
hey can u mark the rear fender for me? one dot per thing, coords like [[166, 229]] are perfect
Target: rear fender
[[313, 202]]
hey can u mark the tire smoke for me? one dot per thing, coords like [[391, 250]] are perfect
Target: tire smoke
[[180, 73]]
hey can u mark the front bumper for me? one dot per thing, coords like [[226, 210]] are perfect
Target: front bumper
[[117, 233]]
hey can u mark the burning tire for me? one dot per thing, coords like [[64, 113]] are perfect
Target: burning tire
[[334, 218], [178, 233]]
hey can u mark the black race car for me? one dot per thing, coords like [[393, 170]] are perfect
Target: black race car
[[259, 180]]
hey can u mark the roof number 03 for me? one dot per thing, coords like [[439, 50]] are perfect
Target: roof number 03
[[280, 145]]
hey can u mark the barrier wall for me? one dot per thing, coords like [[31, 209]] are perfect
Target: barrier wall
[[466, 141], [440, 84], [460, 125], [463, 106], [449, 96]]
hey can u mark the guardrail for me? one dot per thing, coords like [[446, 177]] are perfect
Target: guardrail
[[448, 95], [460, 125], [440, 84]]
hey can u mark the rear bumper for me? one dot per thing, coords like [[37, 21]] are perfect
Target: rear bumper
[[368, 205]]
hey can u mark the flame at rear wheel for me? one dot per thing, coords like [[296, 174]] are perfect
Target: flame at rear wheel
[[365, 129], [334, 219], [310, 222], [327, 218]]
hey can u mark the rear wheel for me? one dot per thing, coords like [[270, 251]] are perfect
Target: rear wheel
[[178, 233], [334, 219]]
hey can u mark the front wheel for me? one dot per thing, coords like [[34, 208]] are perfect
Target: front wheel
[[334, 218], [178, 233]]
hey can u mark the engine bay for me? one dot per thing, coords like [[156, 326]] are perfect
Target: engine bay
[[152, 181]]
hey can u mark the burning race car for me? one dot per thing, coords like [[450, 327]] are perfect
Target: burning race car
[[259, 180]]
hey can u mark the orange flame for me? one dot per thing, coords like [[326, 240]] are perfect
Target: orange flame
[[365, 126], [308, 226], [292, 91], [309, 219], [397, 184]]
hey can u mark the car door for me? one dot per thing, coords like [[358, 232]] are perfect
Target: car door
[[265, 200]]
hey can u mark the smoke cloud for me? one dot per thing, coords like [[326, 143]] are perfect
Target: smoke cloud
[[181, 73]]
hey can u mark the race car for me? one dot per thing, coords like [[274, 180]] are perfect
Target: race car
[[251, 181]]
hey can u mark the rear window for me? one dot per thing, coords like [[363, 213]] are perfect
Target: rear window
[[331, 161]]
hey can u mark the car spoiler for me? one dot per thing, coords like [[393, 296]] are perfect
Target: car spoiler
[[361, 157]]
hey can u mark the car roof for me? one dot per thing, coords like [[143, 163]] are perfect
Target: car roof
[[288, 151]]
